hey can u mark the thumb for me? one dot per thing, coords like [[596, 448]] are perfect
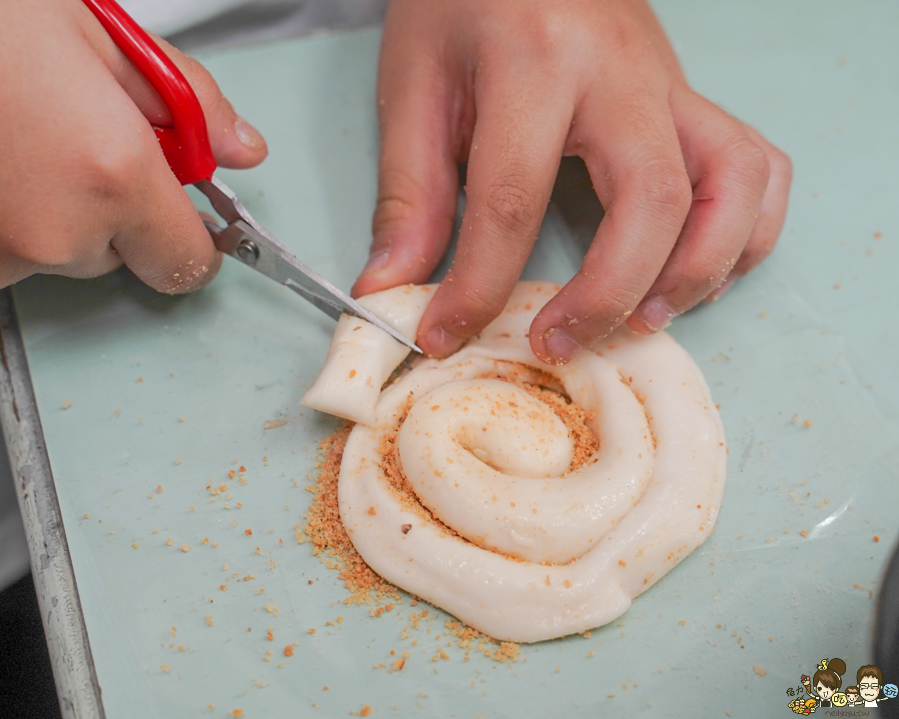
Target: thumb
[[234, 142]]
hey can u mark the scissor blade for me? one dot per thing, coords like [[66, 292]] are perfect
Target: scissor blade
[[246, 240]]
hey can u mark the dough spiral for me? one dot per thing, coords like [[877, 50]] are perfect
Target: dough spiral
[[499, 532]]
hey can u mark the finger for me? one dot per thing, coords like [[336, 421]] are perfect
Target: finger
[[155, 229], [174, 254], [417, 179], [630, 146], [771, 215], [773, 210], [514, 159], [115, 200], [729, 172], [234, 142]]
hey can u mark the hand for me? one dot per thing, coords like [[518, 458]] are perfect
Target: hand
[[693, 197], [84, 185]]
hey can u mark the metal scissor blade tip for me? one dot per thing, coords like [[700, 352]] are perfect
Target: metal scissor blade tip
[[336, 304], [364, 314]]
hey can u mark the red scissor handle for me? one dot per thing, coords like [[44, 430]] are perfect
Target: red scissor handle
[[186, 145]]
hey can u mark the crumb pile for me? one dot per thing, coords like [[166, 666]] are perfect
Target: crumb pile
[[326, 531]]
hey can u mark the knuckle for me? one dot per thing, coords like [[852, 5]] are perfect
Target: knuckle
[[545, 32], [205, 86], [192, 68], [112, 171], [475, 309], [622, 39], [399, 194], [216, 104], [605, 307], [748, 161], [666, 187], [511, 206]]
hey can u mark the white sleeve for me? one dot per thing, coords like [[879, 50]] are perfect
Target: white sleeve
[[166, 17]]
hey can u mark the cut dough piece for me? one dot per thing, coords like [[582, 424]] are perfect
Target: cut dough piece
[[362, 357], [520, 549]]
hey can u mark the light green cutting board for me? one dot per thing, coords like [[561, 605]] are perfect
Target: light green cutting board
[[153, 380]]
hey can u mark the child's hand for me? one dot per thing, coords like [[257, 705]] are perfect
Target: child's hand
[[84, 185], [693, 197]]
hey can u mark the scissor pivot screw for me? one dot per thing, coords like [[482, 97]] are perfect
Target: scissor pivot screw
[[247, 251]]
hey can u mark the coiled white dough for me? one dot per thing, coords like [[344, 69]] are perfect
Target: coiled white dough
[[535, 553]]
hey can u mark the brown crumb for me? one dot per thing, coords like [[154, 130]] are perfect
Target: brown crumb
[[325, 530], [288, 651], [366, 710], [468, 638], [762, 672]]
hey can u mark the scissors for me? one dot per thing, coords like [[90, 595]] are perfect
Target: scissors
[[186, 147]]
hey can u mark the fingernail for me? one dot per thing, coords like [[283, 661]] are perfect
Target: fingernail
[[248, 135], [561, 345], [377, 261], [656, 313], [441, 343], [725, 286]]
